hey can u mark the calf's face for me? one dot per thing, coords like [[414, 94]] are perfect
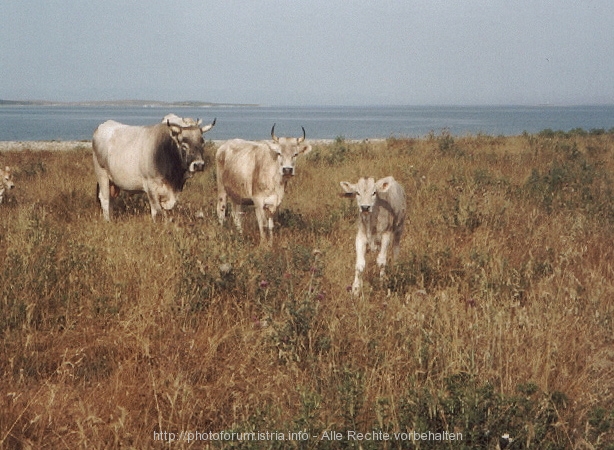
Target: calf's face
[[365, 191]]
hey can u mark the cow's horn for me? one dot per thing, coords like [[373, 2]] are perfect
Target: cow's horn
[[303, 138], [208, 127], [273, 134]]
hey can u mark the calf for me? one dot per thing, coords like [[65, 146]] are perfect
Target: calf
[[7, 181], [381, 218]]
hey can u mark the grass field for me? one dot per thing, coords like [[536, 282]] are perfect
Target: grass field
[[497, 318]]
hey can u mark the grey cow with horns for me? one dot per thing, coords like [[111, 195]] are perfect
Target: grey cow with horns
[[155, 159]]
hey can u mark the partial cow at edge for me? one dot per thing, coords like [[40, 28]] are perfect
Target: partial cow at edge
[[7, 181], [256, 172], [156, 159], [381, 219]]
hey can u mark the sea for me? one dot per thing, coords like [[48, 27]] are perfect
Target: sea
[[58, 123]]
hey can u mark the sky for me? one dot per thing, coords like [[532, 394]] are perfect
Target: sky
[[316, 52]]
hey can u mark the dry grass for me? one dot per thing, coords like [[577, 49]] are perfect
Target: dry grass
[[496, 319]]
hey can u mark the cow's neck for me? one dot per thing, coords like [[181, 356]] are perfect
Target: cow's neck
[[171, 164]]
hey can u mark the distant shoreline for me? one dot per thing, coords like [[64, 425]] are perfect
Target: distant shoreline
[[128, 103], [37, 146], [54, 146], [48, 123]]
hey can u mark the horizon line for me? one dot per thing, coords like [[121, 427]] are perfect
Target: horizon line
[[205, 104]]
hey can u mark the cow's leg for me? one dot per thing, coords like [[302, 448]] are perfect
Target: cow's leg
[[104, 195], [361, 249], [103, 190], [269, 209], [222, 201], [155, 209], [237, 214], [372, 242], [168, 200], [383, 252], [396, 242], [260, 217], [154, 203], [271, 225], [222, 197]]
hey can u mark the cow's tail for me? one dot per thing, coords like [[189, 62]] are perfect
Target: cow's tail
[[98, 193]]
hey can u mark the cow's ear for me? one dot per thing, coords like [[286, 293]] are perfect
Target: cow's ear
[[304, 149], [175, 130], [383, 184], [349, 190]]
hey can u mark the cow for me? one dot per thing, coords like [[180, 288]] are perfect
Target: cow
[[155, 159], [381, 218], [256, 172], [7, 181]]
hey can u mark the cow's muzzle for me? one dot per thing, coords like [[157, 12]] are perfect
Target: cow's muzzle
[[287, 171], [197, 166], [365, 208]]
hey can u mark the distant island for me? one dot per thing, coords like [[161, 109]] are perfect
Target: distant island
[[128, 103]]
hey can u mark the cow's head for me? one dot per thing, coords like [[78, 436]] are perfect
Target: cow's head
[[287, 150], [365, 191], [188, 135], [7, 178]]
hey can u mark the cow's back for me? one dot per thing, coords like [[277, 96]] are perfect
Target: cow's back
[[112, 140], [389, 209], [127, 152], [103, 140], [245, 168], [396, 198]]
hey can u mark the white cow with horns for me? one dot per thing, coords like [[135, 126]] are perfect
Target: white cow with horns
[[256, 172], [381, 219], [156, 159]]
